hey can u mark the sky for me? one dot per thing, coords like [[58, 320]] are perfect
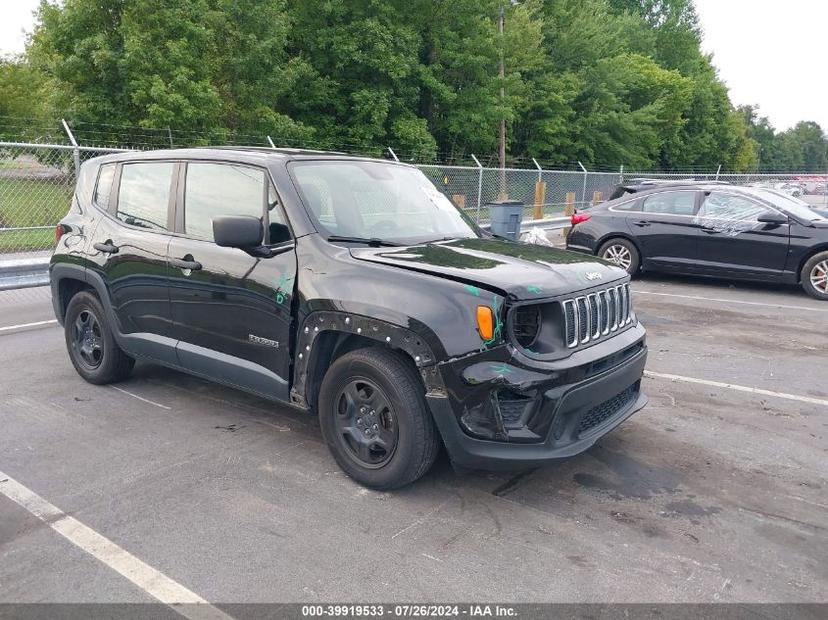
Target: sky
[[770, 53]]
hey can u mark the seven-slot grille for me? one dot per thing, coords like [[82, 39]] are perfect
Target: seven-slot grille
[[595, 315]]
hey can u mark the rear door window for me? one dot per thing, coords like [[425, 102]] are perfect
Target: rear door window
[[144, 194], [670, 203], [212, 190]]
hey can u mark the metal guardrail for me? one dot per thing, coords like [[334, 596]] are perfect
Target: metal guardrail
[[550, 223], [24, 273]]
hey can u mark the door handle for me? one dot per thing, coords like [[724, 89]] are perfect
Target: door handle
[[187, 263], [642, 223], [107, 247]]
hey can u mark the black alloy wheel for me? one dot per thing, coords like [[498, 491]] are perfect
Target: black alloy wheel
[[366, 424], [375, 420], [87, 339], [90, 342]]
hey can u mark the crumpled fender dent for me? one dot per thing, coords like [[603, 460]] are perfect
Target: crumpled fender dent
[[388, 334]]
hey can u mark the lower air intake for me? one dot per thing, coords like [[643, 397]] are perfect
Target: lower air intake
[[601, 413]]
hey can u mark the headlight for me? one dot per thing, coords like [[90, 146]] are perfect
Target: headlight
[[526, 325]]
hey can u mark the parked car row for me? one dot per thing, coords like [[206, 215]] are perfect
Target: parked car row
[[709, 229]]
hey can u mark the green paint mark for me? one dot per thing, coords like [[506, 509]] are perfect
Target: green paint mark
[[535, 289], [472, 289], [283, 288], [502, 368]]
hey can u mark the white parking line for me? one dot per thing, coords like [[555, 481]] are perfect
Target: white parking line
[[24, 325], [731, 301], [146, 400], [738, 388], [153, 582]]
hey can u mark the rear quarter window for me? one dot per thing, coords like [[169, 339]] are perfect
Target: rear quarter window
[[85, 185], [103, 188]]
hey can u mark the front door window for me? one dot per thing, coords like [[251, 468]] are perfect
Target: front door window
[[730, 214]]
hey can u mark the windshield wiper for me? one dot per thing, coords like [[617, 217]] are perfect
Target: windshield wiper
[[374, 242], [441, 239]]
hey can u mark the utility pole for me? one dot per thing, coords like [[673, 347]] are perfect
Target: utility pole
[[502, 73]]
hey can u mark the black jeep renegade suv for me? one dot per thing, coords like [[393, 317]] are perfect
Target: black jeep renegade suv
[[351, 288]]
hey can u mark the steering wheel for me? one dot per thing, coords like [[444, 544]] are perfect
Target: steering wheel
[[383, 227]]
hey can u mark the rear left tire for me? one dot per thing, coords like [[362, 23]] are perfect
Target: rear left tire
[[621, 252], [91, 344]]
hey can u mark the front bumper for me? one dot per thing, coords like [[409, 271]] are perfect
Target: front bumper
[[570, 404]]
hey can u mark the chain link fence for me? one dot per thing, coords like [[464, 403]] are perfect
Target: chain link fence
[[37, 182], [36, 186]]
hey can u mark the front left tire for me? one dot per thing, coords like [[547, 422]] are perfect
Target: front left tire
[[91, 344], [375, 420], [814, 276]]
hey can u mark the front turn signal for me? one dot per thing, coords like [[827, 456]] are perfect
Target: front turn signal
[[485, 322]]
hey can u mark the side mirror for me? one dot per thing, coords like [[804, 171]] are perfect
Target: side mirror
[[238, 231], [773, 218]]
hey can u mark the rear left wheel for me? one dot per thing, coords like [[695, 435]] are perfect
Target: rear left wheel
[[621, 252], [91, 345]]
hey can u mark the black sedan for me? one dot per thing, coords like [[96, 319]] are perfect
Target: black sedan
[[715, 230]]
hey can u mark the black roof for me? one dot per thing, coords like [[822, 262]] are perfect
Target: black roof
[[636, 186], [245, 154]]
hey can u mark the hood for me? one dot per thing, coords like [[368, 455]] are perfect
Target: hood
[[520, 270]]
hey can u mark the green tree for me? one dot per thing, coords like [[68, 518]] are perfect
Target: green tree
[[605, 82], [22, 90], [804, 147]]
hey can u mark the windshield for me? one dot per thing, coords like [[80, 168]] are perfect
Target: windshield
[[794, 206], [376, 200]]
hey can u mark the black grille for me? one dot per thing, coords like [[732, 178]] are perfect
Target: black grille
[[595, 326], [583, 321], [607, 409], [526, 325], [606, 319], [611, 309], [569, 310]]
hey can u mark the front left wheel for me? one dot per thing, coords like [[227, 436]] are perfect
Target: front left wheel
[[91, 345], [375, 420], [814, 276]]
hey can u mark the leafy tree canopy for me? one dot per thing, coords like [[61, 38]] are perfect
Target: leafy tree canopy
[[604, 82]]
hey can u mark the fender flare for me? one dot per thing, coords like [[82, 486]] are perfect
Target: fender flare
[[63, 271], [387, 334]]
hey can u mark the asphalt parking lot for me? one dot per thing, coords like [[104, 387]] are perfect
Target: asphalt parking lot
[[714, 492]]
